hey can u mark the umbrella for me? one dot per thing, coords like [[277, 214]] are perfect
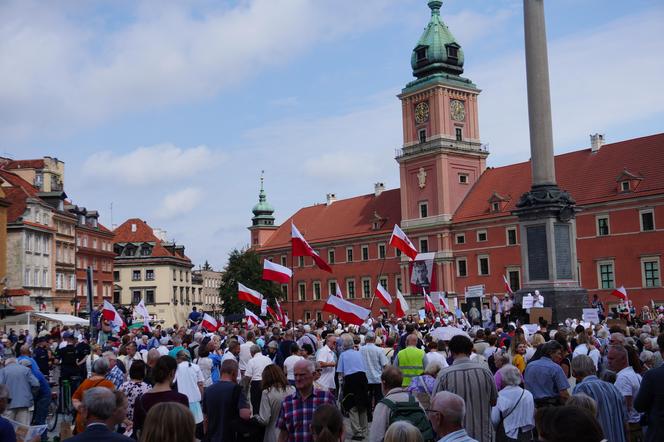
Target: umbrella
[[447, 333]]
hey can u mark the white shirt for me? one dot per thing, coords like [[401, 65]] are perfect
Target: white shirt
[[187, 379], [582, 349], [523, 414], [628, 383], [539, 301], [325, 354], [256, 365], [163, 350], [245, 354], [434, 356], [289, 366]]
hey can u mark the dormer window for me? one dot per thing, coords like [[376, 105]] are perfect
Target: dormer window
[[421, 54], [452, 52], [495, 207], [624, 186]]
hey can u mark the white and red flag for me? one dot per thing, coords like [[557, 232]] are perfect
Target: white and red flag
[[401, 242], [506, 283], [244, 293], [252, 318], [275, 315], [337, 292], [441, 301], [346, 310], [402, 305], [302, 248], [429, 305], [110, 314], [209, 323], [620, 292], [276, 272], [282, 315], [383, 294]]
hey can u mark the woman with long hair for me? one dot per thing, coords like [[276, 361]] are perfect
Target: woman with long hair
[[169, 422], [275, 388]]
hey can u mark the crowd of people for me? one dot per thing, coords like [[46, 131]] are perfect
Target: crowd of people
[[389, 379]]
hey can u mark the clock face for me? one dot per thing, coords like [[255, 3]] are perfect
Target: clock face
[[457, 110], [421, 112]]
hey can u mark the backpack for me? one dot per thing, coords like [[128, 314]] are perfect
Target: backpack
[[410, 411]]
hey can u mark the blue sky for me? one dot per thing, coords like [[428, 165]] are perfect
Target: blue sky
[[170, 110]]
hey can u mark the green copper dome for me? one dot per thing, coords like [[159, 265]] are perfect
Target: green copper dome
[[263, 210], [437, 51]]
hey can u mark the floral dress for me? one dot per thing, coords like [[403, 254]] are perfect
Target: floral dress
[[133, 389]]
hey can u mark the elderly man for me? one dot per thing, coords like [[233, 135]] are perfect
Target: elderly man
[[611, 410], [374, 361], [410, 360], [651, 398], [474, 383], [545, 379], [297, 410], [20, 381], [447, 415], [355, 387], [627, 382], [327, 361], [98, 409], [115, 375], [223, 402], [253, 375], [43, 398]]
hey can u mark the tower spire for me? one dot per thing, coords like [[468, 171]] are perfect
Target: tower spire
[[263, 211]]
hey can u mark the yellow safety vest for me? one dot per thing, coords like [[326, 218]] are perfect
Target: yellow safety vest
[[410, 363]]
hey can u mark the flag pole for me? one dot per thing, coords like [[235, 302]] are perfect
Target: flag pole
[[292, 285], [380, 274]]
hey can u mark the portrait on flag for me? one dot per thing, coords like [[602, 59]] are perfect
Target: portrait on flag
[[421, 273]]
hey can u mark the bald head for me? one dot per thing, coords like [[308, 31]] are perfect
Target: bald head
[[411, 341], [449, 412]]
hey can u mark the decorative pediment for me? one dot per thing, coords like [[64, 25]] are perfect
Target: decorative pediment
[[497, 202], [377, 221], [628, 181]]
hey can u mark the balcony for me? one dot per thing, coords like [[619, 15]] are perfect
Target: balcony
[[432, 145]]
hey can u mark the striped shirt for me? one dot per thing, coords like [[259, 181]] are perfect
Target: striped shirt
[[611, 409], [457, 436], [475, 385]]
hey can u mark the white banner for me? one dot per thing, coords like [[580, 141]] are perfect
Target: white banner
[[475, 291]]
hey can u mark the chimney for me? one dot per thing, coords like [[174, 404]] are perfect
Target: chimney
[[331, 197], [596, 142], [379, 188]]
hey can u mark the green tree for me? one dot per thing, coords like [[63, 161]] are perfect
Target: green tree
[[245, 266]]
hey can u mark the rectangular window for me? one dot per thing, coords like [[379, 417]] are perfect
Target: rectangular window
[[422, 135], [606, 275], [149, 296], [651, 273], [317, 291], [182, 295], [381, 251], [366, 287], [397, 253], [647, 220], [94, 243], [284, 290], [301, 291], [319, 316], [602, 225], [463, 178], [116, 276], [383, 282], [511, 236], [424, 209], [174, 275], [365, 253], [624, 186], [460, 238], [462, 267], [481, 235], [424, 245], [135, 296], [350, 288], [398, 283], [26, 278], [349, 254], [135, 275], [459, 133], [300, 261], [330, 256], [284, 260], [332, 287], [483, 265], [149, 275], [307, 316], [514, 278]]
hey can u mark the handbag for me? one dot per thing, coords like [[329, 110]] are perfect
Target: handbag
[[501, 436]]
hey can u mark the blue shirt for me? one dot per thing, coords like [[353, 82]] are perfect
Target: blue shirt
[[374, 361], [611, 408], [350, 362], [457, 436], [545, 379], [44, 387]]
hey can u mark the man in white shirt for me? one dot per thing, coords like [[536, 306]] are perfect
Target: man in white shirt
[[163, 349], [245, 351], [253, 376], [189, 380], [326, 359], [627, 381]]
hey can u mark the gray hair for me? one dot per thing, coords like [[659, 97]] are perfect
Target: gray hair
[[583, 366], [348, 341], [100, 402], [153, 354], [583, 401], [100, 366], [109, 355], [255, 349], [510, 375], [502, 357], [311, 367], [370, 337], [403, 431], [647, 356], [452, 406]]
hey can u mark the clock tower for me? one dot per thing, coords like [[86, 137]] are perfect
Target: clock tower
[[442, 156]]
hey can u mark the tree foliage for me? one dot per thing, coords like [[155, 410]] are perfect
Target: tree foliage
[[245, 266]]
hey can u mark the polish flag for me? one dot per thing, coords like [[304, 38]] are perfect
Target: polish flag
[[508, 289], [402, 305], [441, 301], [249, 295], [346, 310], [110, 314], [274, 314], [275, 272], [620, 292], [383, 294], [302, 248], [282, 315], [338, 292], [429, 305], [252, 318], [209, 323], [401, 242]]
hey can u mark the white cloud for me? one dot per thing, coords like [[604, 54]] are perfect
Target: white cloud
[[179, 203], [341, 165], [59, 73], [150, 165]]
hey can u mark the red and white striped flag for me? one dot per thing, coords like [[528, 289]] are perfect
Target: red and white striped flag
[[383, 294], [302, 248], [346, 310], [244, 293], [402, 305], [276, 272], [110, 314], [252, 318], [209, 323], [620, 292], [282, 315], [508, 289], [429, 305], [441, 301], [401, 242]]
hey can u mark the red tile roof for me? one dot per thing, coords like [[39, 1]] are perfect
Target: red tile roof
[[144, 233], [342, 219], [16, 194], [23, 164], [588, 177]]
